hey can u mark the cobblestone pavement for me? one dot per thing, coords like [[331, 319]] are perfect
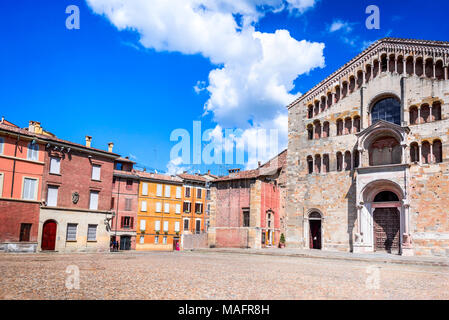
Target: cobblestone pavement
[[214, 275]]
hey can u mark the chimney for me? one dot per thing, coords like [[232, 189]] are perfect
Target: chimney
[[3, 119], [88, 141], [110, 146], [259, 163], [208, 171], [34, 127]]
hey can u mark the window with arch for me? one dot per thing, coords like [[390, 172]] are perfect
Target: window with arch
[[439, 70], [317, 163], [310, 111], [348, 161], [429, 68], [414, 152], [413, 115], [348, 126], [436, 111], [317, 108], [409, 66], [437, 151], [419, 67], [351, 84], [388, 109], [339, 161], [400, 65], [344, 92], [384, 63], [317, 134], [323, 104], [310, 164], [33, 151], [425, 113], [329, 100], [356, 125], [310, 132], [326, 163], [425, 153], [326, 130], [339, 127]]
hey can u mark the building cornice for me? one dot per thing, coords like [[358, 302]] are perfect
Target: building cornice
[[405, 47]]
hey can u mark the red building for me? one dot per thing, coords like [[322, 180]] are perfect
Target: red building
[[248, 207], [21, 168], [76, 197], [125, 197]]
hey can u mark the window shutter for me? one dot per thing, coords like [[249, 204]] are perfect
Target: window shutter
[[158, 207], [165, 226], [92, 232], [55, 165], [52, 196], [178, 208], [166, 207], [145, 189], [143, 224], [144, 206], [122, 222], [157, 225], [93, 200], [71, 232], [131, 225], [1, 184], [177, 226], [1, 145], [159, 190], [29, 189], [96, 172], [178, 192], [142, 239], [167, 191]]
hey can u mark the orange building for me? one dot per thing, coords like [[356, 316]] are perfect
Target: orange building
[[159, 212], [22, 154], [194, 198]]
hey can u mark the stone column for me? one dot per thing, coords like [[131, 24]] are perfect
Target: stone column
[[414, 66], [420, 154], [419, 115], [431, 153], [407, 246], [445, 72], [423, 68], [404, 153], [434, 71], [404, 68]]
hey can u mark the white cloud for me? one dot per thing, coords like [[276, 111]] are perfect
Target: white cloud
[[174, 166], [255, 73], [340, 25]]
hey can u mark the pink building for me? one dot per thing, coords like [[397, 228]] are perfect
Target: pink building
[[125, 190], [248, 207]]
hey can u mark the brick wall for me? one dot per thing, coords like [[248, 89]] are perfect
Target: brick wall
[[12, 214]]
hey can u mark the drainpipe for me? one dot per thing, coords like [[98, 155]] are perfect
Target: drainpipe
[[116, 213], [14, 165]]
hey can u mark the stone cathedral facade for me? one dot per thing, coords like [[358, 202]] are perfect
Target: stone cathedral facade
[[368, 154]]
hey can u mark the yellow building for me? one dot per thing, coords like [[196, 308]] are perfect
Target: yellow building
[[159, 218]]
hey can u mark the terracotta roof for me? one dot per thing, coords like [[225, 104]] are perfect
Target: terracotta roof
[[52, 139], [265, 169], [124, 160], [126, 174], [192, 177], [158, 177]]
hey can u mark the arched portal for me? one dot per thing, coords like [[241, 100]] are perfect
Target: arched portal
[[383, 221], [315, 231]]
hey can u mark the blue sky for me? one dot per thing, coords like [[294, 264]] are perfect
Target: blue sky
[[104, 82]]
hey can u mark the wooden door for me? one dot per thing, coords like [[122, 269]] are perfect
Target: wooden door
[[386, 229], [315, 234], [49, 235]]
